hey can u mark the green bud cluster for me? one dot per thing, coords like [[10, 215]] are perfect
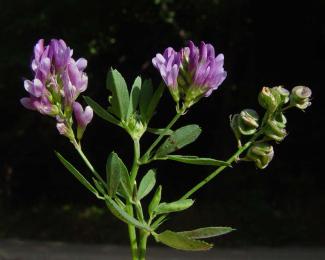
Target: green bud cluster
[[273, 126]]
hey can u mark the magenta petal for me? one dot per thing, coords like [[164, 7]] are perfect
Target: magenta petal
[[88, 115], [27, 103], [81, 64], [38, 49]]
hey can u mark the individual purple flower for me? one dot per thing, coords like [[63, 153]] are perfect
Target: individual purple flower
[[60, 54], [75, 80], [168, 65], [83, 117]]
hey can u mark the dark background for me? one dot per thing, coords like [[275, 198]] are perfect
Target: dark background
[[264, 43]]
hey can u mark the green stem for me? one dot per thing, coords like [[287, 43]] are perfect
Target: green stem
[[233, 158], [132, 234], [135, 165], [133, 175], [145, 157], [85, 159], [143, 244]]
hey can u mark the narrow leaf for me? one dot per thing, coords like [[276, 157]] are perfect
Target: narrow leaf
[[145, 97], [147, 183], [160, 131], [178, 241], [76, 173], [154, 101], [100, 111], [155, 201], [122, 215], [134, 96], [120, 95], [206, 232], [113, 173], [189, 159], [179, 205], [180, 138]]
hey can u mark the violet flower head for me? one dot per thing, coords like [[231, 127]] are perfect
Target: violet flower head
[[168, 65], [206, 69], [191, 73], [58, 81]]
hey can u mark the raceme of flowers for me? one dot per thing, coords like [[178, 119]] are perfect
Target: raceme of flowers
[[58, 81], [191, 73]]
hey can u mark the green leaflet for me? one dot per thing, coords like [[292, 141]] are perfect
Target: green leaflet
[[134, 96], [175, 206], [145, 97], [154, 102], [190, 159], [114, 167], [206, 232], [100, 111], [155, 201], [178, 139], [146, 185], [119, 170], [76, 173], [181, 242], [122, 215], [120, 96]]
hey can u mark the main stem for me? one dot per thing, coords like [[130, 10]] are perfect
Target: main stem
[[129, 207]]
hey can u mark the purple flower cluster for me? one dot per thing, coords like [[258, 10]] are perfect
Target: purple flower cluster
[[58, 81], [194, 71]]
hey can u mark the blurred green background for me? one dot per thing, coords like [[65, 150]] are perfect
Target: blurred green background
[[264, 43]]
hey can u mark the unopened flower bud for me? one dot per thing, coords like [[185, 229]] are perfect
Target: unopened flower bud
[[64, 130], [275, 130], [300, 97], [135, 127], [268, 99], [284, 93], [261, 153]]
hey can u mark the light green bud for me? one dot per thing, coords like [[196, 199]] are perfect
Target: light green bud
[[261, 153], [248, 122], [284, 93], [134, 126], [269, 99], [300, 97], [275, 130]]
